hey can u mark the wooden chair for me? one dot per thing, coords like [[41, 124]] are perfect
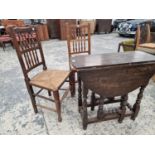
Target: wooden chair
[[143, 39], [128, 45], [31, 56], [78, 41], [143, 34], [5, 39]]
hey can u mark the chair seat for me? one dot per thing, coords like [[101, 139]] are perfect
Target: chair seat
[[5, 39], [50, 79], [148, 50], [148, 45]]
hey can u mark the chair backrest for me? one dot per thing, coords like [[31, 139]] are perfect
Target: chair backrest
[[78, 39], [28, 48], [116, 80], [143, 34]]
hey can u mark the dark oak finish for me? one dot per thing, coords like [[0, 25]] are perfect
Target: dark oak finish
[[30, 55], [110, 59], [112, 75], [78, 42], [144, 39], [143, 35]]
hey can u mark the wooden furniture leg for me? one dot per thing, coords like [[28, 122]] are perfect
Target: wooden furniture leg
[[100, 112], [3, 45], [123, 108], [119, 47], [72, 83], [92, 101], [136, 106], [79, 94], [49, 93], [84, 109], [58, 104], [31, 93]]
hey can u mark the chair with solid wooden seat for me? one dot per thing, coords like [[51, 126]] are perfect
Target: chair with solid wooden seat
[[31, 56]]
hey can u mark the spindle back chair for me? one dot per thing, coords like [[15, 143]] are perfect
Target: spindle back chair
[[30, 54], [78, 42], [143, 34]]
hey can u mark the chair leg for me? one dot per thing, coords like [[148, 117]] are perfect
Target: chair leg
[[49, 93], [3, 45], [58, 104], [31, 92], [72, 83], [12, 44], [119, 46]]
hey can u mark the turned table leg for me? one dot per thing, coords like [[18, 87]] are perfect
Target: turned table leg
[[84, 108], [92, 101], [79, 94], [123, 108], [136, 106], [100, 112]]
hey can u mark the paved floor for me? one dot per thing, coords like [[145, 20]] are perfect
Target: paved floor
[[16, 113]]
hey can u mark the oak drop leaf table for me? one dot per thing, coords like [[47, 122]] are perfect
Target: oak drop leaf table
[[112, 77]]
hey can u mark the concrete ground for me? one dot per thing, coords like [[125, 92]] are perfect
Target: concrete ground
[[16, 113]]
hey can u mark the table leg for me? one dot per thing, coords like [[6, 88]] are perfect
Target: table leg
[[136, 106], [79, 93]]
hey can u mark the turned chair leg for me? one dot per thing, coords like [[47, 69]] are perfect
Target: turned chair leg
[[123, 108], [33, 100], [72, 83], [58, 104]]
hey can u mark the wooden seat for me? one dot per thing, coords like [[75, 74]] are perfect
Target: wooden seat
[[5, 39], [30, 55], [143, 39], [148, 45], [78, 43], [50, 79]]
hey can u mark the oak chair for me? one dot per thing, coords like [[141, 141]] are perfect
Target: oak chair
[[78, 42], [31, 56], [144, 40], [143, 34]]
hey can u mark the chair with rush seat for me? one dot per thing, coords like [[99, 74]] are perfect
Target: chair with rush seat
[[79, 42], [30, 55]]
